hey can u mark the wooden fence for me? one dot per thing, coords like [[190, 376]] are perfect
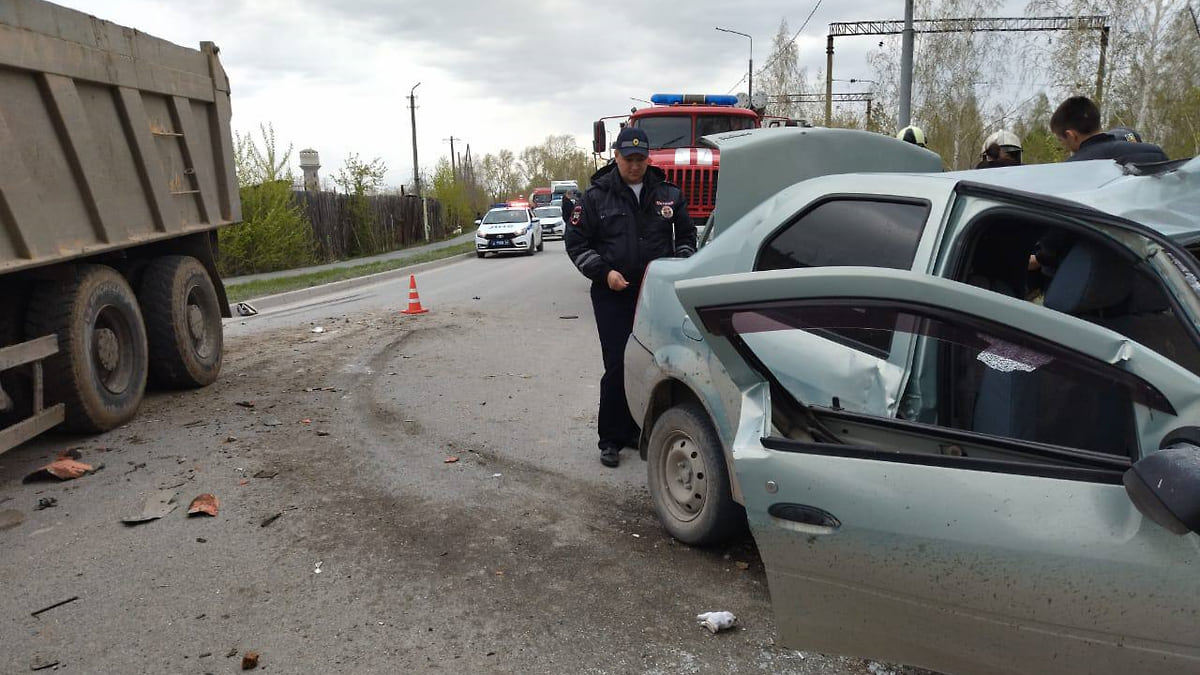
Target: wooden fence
[[395, 222]]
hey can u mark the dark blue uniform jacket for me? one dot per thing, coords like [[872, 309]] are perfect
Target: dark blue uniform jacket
[[608, 229]]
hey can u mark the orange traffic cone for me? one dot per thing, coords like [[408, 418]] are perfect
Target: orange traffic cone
[[414, 300]]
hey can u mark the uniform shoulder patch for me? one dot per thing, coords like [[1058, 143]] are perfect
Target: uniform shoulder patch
[[576, 214]]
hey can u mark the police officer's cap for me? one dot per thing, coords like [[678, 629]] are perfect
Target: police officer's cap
[[912, 134], [1125, 134], [632, 141]]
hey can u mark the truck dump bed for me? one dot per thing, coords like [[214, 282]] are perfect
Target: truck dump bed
[[109, 137]]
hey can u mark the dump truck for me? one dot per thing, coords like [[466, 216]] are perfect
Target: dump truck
[[117, 171]]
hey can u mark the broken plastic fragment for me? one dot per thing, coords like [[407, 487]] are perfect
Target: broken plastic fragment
[[249, 660], [450, 460], [62, 468], [207, 504], [246, 309], [156, 505], [716, 621], [318, 329]]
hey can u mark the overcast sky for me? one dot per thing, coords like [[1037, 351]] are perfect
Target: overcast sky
[[334, 75]]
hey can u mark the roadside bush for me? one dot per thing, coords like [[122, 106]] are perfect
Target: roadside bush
[[274, 233]]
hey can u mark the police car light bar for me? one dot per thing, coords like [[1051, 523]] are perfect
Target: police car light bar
[[693, 99]]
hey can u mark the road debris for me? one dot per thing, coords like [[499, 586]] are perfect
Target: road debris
[[231, 653], [60, 603], [63, 468], [46, 503], [42, 663], [322, 432], [271, 422], [245, 309], [206, 504], [249, 660], [569, 316], [317, 567], [245, 404], [318, 329], [267, 473], [450, 460], [716, 621], [10, 519], [742, 565], [156, 505], [306, 420], [270, 519]]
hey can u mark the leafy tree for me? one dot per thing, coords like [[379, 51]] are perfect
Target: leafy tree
[[359, 179], [454, 195], [274, 233]]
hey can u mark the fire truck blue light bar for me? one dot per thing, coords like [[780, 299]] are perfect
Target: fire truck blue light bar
[[693, 99]]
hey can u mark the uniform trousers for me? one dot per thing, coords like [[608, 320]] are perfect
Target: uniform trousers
[[614, 322]]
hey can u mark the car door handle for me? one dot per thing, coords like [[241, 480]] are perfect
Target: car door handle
[[804, 518]]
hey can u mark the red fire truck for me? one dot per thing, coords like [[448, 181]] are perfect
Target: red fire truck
[[674, 125]]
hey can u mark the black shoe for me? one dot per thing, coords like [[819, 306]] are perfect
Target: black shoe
[[610, 456]]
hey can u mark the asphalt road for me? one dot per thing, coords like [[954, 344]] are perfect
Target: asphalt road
[[398, 494]]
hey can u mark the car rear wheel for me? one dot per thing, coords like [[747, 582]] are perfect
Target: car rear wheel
[[689, 480]]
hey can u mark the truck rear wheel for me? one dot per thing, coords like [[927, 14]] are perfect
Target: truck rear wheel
[[99, 371], [183, 322]]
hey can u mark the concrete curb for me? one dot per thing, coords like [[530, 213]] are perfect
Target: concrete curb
[[302, 294]]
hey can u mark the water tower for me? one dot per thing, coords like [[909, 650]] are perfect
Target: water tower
[[309, 163]]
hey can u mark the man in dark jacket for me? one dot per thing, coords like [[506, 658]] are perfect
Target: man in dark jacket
[[1076, 122], [629, 216]]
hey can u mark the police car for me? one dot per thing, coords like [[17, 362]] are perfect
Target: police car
[[508, 230]]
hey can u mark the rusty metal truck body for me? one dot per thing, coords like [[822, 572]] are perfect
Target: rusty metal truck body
[[117, 169]]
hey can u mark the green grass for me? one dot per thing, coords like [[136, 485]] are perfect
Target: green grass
[[263, 287]]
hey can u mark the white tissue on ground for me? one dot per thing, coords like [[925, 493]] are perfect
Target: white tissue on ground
[[716, 621]]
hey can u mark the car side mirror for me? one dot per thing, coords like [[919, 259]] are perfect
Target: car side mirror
[[599, 141], [1165, 486], [478, 221], [535, 221]]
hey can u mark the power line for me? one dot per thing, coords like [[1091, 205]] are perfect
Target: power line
[[779, 53]]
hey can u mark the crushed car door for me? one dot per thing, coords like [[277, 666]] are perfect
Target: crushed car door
[[996, 538]]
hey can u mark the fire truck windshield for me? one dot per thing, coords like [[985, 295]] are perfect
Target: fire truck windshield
[[667, 131], [719, 124]]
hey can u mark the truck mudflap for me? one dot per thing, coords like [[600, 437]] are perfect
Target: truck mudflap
[[29, 353]]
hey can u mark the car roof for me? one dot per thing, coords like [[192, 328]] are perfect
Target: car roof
[[1168, 202], [756, 164]]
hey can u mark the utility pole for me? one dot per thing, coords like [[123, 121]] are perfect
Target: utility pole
[[453, 162], [906, 65], [750, 73], [412, 105]]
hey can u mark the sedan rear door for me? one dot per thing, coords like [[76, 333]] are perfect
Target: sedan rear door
[[995, 538]]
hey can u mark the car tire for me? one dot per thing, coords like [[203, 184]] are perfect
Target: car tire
[[479, 254], [100, 369], [541, 243], [532, 249], [689, 479], [183, 323]]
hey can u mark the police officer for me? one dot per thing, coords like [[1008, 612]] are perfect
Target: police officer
[[629, 216], [1076, 123]]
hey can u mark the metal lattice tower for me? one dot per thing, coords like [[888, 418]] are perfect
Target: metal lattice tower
[[1097, 22]]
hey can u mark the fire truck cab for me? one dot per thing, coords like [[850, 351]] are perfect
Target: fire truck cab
[[674, 125]]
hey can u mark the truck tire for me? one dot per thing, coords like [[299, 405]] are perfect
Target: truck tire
[[183, 322], [99, 371], [689, 480]]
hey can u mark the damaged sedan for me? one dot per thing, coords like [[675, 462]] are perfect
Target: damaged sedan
[[960, 412]]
